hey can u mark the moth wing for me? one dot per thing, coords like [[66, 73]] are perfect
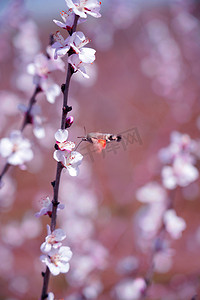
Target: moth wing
[[99, 144]]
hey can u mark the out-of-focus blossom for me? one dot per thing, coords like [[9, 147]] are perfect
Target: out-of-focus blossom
[[70, 161], [62, 144], [127, 265], [130, 289], [78, 65], [151, 192], [84, 7], [47, 207], [148, 220], [180, 145], [16, 149], [92, 290], [92, 256], [53, 240], [57, 260], [8, 192], [43, 65], [50, 89], [180, 173], [174, 225], [27, 40], [35, 119], [40, 69]]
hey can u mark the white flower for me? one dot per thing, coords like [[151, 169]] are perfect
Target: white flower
[[57, 260], [47, 207], [77, 41], [61, 140], [35, 119], [174, 224], [68, 18], [77, 64], [70, 161], [16, 149], [52, 240], [181, 173], [84, 7]]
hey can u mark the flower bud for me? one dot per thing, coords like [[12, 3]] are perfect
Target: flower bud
[[69, 121]]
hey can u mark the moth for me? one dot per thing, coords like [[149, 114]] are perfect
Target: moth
[[100, 140]]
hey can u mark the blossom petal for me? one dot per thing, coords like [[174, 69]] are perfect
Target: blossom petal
[[61, 135]]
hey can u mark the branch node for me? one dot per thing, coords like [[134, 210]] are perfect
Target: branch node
[[53, 183], [67, 108], [63, 88], [55, 203]]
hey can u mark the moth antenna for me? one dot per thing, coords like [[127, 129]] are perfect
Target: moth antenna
[[85, 131], [78, 144]]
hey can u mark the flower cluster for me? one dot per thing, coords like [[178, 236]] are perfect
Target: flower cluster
[[55, 256], [64, 152], [158, 216], [78, 55], [179, 157]]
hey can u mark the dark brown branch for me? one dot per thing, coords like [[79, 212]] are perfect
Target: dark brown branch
[[65, 110]]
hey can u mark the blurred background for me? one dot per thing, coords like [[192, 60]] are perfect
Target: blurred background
[[144, 84]]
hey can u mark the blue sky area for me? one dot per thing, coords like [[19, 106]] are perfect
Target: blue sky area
[[44, 9]]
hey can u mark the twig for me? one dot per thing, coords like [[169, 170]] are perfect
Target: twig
[[26, 121], [157, 247]]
